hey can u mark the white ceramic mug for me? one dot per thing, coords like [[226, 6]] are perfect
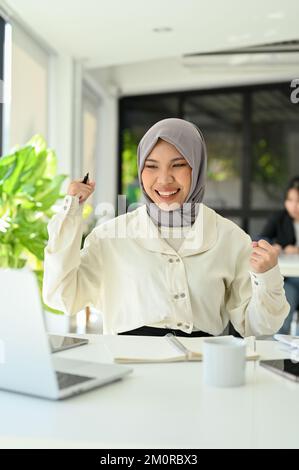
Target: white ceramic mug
[[224, 361]]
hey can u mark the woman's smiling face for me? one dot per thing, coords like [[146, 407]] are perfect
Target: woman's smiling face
[[166, 176]]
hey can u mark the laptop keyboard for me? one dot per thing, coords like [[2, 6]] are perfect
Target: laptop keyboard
[[67, 380]]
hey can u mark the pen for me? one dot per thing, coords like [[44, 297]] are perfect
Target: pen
[[175, 342], [85, 179]]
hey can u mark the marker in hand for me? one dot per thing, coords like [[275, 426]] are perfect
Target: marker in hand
[[85, 179], [82, 188]]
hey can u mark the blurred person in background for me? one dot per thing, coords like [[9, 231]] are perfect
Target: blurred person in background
[[282, 231]]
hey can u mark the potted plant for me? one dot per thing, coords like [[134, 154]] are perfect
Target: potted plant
[[29, 189]]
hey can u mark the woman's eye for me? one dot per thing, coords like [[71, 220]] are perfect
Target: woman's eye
[[175, 165]]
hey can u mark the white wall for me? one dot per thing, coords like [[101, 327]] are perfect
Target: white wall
[[29, 89], [106, 190], [107, 148], [61, 110], [47, 98], [42, 87]]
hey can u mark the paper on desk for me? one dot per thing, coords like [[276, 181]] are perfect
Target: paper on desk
[[151, 349]]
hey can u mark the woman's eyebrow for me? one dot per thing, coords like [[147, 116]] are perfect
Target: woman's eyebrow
[[172, 160]]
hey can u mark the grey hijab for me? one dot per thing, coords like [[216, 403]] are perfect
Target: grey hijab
[[189, 141]]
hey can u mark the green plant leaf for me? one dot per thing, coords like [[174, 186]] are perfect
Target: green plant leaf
[[34, 167], [48, 194], [29, 187], [11, 182], [38, 142]]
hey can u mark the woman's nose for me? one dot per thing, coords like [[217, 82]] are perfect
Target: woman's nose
[[165, 177]]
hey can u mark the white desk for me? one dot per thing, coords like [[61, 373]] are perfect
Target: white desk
[[289, 265], [159, 406]]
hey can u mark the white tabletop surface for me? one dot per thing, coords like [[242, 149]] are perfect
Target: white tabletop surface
[[289, 265], [159, 406]]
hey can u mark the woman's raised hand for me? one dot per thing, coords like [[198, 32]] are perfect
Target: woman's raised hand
[[263, 257], [82, 190]]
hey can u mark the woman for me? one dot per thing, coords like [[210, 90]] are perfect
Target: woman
[[172, 264], [282, 230]]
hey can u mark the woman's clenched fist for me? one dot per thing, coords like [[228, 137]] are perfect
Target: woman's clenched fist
[[82, 190], [263, 257]]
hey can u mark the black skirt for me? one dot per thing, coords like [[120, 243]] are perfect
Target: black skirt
[[151, 331]]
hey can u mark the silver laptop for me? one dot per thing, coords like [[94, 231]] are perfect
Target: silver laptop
[[26, 363]]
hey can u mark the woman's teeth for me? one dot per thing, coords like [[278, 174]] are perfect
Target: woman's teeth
[[167, 193]]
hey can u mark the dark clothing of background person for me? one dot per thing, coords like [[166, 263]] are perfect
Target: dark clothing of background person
[[280, 229]]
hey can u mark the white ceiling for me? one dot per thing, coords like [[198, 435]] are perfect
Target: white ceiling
[[117, 32]]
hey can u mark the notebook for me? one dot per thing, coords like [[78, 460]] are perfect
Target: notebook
[[152, 349]]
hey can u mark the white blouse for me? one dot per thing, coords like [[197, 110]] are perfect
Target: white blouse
[[174, 235], [134, 277]]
